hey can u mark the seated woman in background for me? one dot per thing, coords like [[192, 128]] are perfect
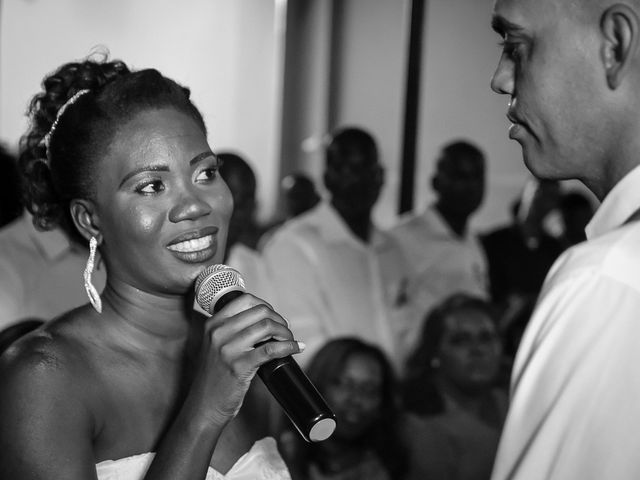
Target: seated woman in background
[[134, 384], [456, 410], [357, 381]]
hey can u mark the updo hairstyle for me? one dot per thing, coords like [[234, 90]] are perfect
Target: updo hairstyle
[[65, 170]]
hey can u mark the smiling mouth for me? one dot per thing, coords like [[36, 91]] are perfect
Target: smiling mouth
[[193, 245]]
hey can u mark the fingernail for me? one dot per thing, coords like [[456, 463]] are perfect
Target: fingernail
[[301, 346]]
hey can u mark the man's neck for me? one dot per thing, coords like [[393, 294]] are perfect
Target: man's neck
[[456, 222], [360, 224]]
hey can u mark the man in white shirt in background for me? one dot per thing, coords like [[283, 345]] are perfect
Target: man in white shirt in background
[[336, 274], [41, 273], [572, 73], [445, 257]]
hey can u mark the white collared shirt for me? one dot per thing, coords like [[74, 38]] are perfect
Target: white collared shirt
[[40, 273], [441, 263], [331, 284], [575, 406]]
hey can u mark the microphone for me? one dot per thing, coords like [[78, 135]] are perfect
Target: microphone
[[216, 286]]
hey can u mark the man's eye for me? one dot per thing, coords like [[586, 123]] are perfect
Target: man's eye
[[510, 48], [149, 188]]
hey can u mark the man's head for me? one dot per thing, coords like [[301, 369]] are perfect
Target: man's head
[[459, 179], [299, 194], [571, 70], [353, 174]]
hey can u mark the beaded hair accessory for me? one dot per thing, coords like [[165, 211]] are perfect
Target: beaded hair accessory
[[67, 104]]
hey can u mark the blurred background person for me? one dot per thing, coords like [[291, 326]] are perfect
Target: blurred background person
[[10, 192], [357, 381], [299, 194], [450, 391], [336, 274], [241, 180], [444, 255], [40, 271], [520, 254], [576, 210]]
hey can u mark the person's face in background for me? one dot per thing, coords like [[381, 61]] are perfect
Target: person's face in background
[[469, 351], [299, 194], [459, 184], [355, 181], [162, 208], [242, 184], [356, 396], [550, 68]]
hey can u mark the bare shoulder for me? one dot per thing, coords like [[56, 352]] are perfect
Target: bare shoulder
[[45, 364], [44, 409]]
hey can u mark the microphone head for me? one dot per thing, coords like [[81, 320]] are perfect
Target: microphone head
[[214, 282]]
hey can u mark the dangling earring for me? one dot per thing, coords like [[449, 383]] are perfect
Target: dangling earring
[[92, 293]]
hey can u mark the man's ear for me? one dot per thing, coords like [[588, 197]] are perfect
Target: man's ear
[[620, 26], [84, 217]]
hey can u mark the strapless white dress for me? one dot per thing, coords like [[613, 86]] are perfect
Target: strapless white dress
[[261, 462]]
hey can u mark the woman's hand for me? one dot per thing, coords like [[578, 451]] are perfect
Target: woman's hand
[[233, 349]]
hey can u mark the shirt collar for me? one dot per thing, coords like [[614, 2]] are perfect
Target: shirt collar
[[621, 202], [334, 229], [52, 243]]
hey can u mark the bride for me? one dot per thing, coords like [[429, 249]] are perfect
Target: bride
[[134, 384]]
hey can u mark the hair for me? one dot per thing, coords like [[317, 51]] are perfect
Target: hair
[[64, 169], [348, 140], [419, 392], [233, 163], [10, 187], [384, 438], [299, 192], [459, 149]]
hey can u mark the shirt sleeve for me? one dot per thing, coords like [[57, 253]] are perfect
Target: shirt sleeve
[[298, 291], [575, 385]]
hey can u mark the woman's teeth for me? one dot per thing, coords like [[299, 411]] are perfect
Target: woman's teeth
[[194, 245]]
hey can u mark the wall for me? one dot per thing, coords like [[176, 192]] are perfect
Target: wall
[[226, 51]]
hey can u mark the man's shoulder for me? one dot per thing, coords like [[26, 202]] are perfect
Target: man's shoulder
[[412, 223], [614, 255]]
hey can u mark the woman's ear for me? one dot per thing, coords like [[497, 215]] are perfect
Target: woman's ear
[[86, 219], [619, 25]]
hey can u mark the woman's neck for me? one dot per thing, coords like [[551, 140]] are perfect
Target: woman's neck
[[477, 402], [149, 322]]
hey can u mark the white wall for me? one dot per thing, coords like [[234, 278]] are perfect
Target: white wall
[[224, 50], [371, 82]]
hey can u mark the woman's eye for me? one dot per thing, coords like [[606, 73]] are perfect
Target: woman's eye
[[207, 174], [149, 188]]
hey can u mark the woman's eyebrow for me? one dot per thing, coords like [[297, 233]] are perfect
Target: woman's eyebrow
[[145, 168]]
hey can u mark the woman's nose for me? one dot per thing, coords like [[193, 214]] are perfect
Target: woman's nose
[[189, 206]]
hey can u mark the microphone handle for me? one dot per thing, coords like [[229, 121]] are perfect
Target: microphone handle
[[290, 386]]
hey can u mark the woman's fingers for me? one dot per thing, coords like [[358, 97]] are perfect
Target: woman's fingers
[[225, 325]]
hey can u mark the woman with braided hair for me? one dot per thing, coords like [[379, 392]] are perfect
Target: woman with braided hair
[[134, 384]]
